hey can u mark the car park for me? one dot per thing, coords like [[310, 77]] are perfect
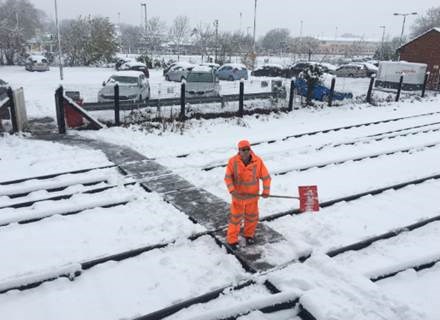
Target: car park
[[320, 91], [202, 81], [179, 71], [269, 70], [135, 66], [133, 86], [36, 63], [232, 71]]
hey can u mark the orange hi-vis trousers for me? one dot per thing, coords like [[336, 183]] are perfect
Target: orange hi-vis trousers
[[240, 210]]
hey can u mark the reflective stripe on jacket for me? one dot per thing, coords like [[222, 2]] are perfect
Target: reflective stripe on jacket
[[246, 179]]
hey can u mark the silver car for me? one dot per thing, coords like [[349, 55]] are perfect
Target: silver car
[[179, 72], [133, 86], [36, 63], [201, 81]]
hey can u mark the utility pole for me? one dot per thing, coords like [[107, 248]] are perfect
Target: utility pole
[[254, 55], [404, 15], [382, 42], [241, 16], [216, 39], [60, 54]]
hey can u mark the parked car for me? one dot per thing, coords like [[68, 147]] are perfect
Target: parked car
[[3, 89], [202, 81], [269, 70], [295, 69], [320, 91], [179, 71], [135, 66], [36, 63], [212, 65], [232, 71], [354, 71], [133, 85]]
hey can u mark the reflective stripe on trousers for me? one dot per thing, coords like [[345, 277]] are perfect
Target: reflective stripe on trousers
[[248, 211]]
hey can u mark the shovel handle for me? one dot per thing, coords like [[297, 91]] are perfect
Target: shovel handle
[[270, 196]]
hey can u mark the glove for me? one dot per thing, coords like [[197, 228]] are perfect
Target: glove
[[265, 195]]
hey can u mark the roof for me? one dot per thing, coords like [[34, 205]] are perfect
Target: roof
[[202, 69], [419, 36], [129, 73]]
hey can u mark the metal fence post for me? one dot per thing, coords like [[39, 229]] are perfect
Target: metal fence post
[[241, 99], [116, 95], [424, 83], [182, 101], [291, 94], [332, 91], [13, 110], [399, 88], [370, 88], [59, 104]]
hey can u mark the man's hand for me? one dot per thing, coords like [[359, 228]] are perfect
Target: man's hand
[[265, 195], [234, 193]]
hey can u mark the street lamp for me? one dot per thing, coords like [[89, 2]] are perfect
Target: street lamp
[[403, 24], [59, 42], [255, 24], [145, 15], [381, 43]]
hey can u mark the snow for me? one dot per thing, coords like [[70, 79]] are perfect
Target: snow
[[329, 288]]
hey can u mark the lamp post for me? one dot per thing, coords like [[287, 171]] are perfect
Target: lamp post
[[404, 15], [255, 25], [60, 54], [381, 43], [145, 15]]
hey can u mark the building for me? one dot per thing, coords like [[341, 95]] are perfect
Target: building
[[425, 48], [348, 46]]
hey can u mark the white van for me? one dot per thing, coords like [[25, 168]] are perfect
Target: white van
[[37, 63], [388, 75]]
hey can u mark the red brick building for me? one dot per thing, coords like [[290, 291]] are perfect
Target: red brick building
[[425, 49]]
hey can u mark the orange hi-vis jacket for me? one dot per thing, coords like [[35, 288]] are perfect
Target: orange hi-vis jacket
[[246, 179]]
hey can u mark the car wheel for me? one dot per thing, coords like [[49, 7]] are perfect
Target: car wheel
[[325, 98], [231, 78], [167, 77], [351, 75]]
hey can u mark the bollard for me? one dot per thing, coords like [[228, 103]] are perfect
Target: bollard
[[59, 105], [332, 92], [241, 99], [370, 88], [291, 94], [182, 100], [399, 88], [13, 110], [117, 109], [424, 83]]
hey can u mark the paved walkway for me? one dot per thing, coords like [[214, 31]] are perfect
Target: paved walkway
[[201, 206]]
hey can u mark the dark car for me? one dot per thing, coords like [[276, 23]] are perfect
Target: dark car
[[320, 91], [269, 70], [135, 66], [3, 89], [297, 68]]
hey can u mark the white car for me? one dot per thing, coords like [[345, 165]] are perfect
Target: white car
[[133, 86], [36, 63], [179, 72], [202, 81]]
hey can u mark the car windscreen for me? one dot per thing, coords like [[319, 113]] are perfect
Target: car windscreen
[[123, 79], [200, 77]]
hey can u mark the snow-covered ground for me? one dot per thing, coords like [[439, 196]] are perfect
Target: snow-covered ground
[[330, 288]]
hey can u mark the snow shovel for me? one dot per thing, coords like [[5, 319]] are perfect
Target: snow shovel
[[308, 198]]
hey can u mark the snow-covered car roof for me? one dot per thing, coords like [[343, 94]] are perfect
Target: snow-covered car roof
[[130, 64], [201, 69], [235, 65], [271, 65], [128, 73], [37, 57], [210, 64]]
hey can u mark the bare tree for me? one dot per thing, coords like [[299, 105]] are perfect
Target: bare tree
[[426, 22], [179, 32], [130, 37], [19, 21], [155, 32], [205, 38]]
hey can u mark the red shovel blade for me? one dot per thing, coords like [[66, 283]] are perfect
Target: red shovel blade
[[308, 198]]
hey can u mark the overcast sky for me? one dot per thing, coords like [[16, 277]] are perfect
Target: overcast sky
[[320, 18]]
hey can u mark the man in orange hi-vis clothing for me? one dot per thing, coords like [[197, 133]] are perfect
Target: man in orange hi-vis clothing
[[242, 179]]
